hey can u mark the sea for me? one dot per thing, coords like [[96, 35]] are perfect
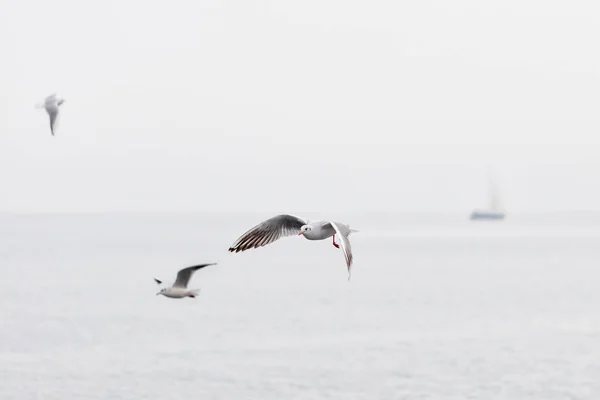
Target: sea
[[437, 307]]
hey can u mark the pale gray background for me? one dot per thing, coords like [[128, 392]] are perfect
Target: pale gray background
[[183, 105], [211, 116]]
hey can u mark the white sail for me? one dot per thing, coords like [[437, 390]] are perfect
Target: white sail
[[494, 194], [495, 210]]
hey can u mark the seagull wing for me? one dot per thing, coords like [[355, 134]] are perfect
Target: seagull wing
[[343, 231], [269, 231], [158, 281], [53, 113], [183, 276]]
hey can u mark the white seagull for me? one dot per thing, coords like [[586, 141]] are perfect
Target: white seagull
[[51, 104], [179, 289], [288, 225]]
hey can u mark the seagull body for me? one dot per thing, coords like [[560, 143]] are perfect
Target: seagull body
[[288, 225], [51, 105], [179, 289], [178, 293]]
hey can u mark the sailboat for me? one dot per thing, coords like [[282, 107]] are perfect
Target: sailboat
[[495, 211]]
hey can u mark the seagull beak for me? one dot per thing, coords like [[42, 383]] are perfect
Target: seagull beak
[[157, 293], [301, 233]]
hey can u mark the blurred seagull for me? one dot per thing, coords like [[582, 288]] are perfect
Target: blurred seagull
[[179, 289], [287, 225], [51, 104]]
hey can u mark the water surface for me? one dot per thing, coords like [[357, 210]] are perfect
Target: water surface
[[437, 308]]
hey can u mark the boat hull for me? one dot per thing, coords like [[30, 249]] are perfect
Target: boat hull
[[487, 215]]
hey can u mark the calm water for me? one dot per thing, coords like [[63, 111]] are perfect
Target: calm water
[[437, 308]]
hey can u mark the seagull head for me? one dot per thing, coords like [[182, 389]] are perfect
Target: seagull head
[[304, 229]]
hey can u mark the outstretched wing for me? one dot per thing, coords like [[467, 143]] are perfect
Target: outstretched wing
[[342, 231], [269, 231], [183, 276]]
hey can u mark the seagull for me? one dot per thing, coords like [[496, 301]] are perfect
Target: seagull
[[179, 289], [51, 104], [288, 225]]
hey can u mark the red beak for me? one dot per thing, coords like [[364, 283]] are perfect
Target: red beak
[[301, 233]]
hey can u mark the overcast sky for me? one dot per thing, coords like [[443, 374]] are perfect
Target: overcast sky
[[307, 105]]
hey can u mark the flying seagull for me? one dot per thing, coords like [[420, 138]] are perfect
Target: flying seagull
[[179, 289], [288, 225], [51, 104]]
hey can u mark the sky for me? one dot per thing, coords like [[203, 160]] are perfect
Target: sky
[[288, 106]]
